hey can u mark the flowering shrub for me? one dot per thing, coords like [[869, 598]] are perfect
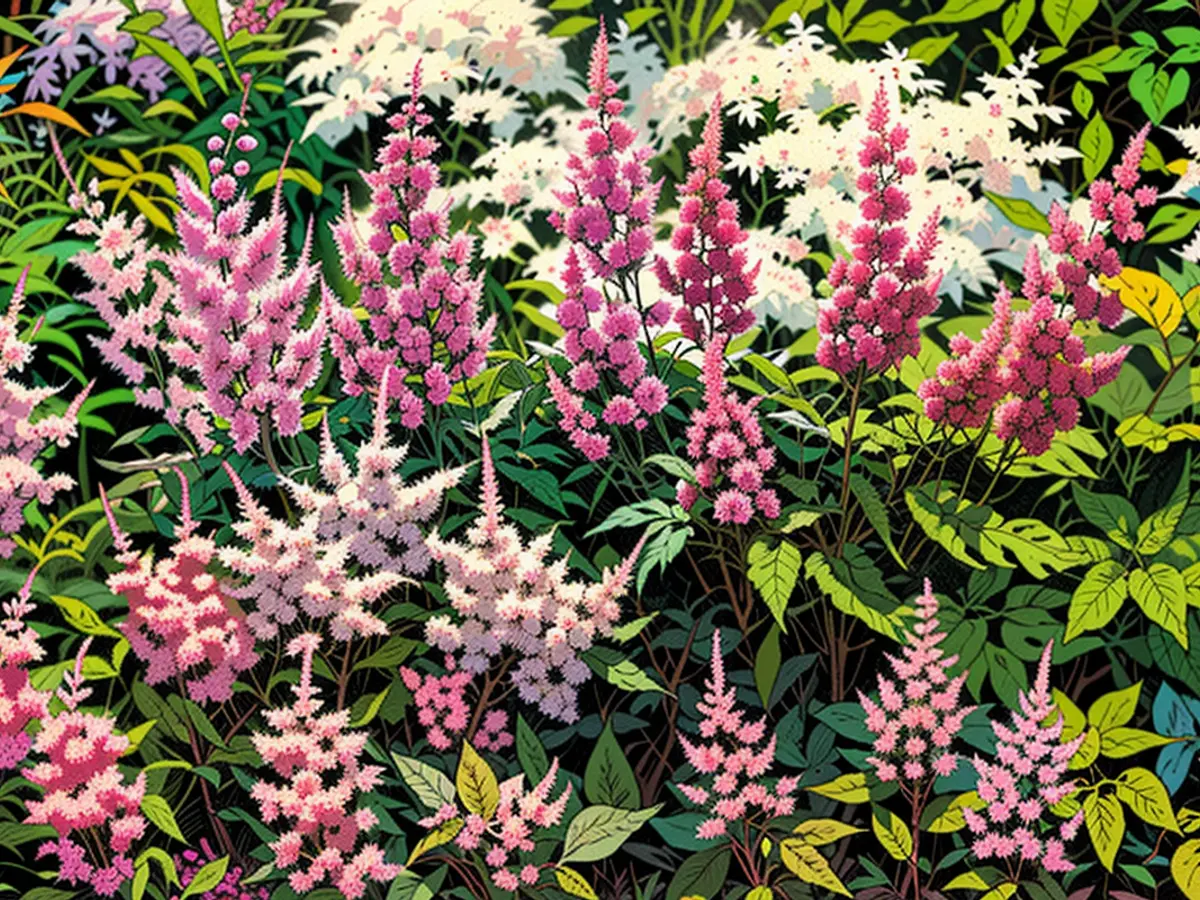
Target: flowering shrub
[[510, 449]]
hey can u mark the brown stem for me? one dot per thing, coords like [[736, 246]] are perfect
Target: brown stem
[[849, 438], [344, 678]]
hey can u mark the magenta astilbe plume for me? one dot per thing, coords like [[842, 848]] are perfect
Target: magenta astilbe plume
[[414, 275], [709, 274], [510, 833], [233, 311], [511, 599], [319, 759], [731, 760], [83, 790], [181, 622], [352, 544], [607, 217], [20, 702], [442, 707], [881, 293], [189, 863], [24, 435], [918, 714], [727, 442], [1024, 781], [1117, 201]]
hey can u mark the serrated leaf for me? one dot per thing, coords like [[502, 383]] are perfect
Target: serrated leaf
[[876, 512]]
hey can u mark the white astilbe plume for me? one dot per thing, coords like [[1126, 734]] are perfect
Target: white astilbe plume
[[352, 543]]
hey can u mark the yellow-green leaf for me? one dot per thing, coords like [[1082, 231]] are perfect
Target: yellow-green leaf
[[477, 784], [1185, 868], [1115, 708], [952, 819], [967, 881], [1119, 743], [1161, 593], [849, 788], [893, 835], [573, 883], [1147, 797], [83, 618], [819, 832], [1105, 821], [1098, 598], [1087, 752], [806, 863], [302, 177], [443, 834]]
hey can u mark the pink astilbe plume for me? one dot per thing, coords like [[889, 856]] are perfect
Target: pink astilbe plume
[[709, 274], [510, 833], [414, 275], [319, 760], [20, 702], [726, 441], [1024, 781], [731, 761], [510, 599], [83, 790], [881, 293], [444, 711], [233, 311], [23, 434], [352, 544], [181, 622], [919, 714], [606, 219]]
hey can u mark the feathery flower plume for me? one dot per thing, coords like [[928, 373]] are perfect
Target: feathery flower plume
[[319, 760], [83, 790], [414, 275], [709, 274], [233, 311], [606, 218], [732, 759], [881, 293], [370, 518], [1025, 779], [20, 702], [510, 598], [919, 714], [181, 622], [727, 442], [22, 439], [510, 832]]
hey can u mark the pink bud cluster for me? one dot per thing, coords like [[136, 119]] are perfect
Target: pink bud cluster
[[1034, 358], [351, 545], [442, 707], [248, 16], [511, 830], [318, 758], [414, 275], [83, 790], [710, 274], [22, 440], [733, 757], [1025, 779], [233, 311], [607, 221], [20, 702], [917, 716], [510, 598], [726, 440], [190, 862], [881, 293], [181, 623]]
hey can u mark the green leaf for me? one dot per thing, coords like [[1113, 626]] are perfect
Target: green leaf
[[967, 881], [619, 671], [1095, 143], [597, 832], [636, 18], [83, 618], [608, 778], [961, 11], [774, 572], [1016, 19], [443, 834], [1114, 708], [1161, 593], [819, 832], [806, 863], [572, 26], [876, 27], [767, 663], [476, 782], [891, 832], [929, 49], [1147, 797], [158, 811], [1097, 599], [1082, 99], [1171, 222], [1006, 673], [430, 785], [177, 62], [818, 567], [952, 818], [702, 874], [302, 177], [1119, 743], [1065, 16], [672, 465], [876, 512], [207, 878], [393, 652], [1020, 212], [1112, 514]]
